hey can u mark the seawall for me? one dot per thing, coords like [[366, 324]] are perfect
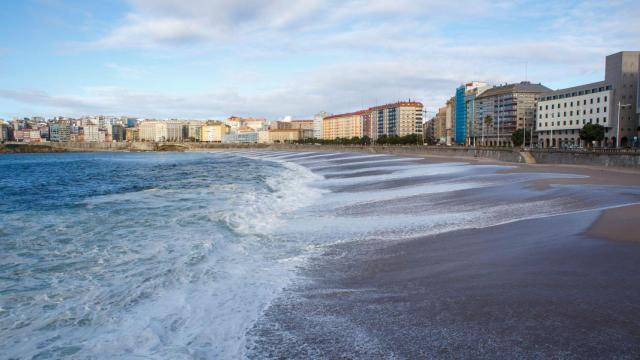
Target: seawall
[[617, 159]]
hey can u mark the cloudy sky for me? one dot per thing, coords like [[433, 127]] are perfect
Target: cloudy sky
[[212, 59]]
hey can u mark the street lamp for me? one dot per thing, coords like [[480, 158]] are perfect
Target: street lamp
[[620, 106]]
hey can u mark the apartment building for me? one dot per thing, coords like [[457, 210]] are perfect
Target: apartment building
[[59, 131], [400, 118], [214, 131], [509, 107], [343, 125], [465, 111], [317, 123], [153, 131], [92, 133]]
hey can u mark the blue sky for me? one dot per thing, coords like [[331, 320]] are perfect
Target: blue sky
[[212, 59]]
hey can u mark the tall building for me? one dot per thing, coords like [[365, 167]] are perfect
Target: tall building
[[465, 111], [118, 133], [439, 125], [214, 131], [622, 73], [92, 133], [508, 107], [153, 131], [450, 130], [59, 131], [563, 112], [347, 125], [174, 130], [317, 123], [400, 118], [4, 131]]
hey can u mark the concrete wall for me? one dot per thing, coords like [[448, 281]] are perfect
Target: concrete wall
[[613, 159]]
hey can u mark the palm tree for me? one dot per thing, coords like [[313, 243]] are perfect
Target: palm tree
[[488, 120]]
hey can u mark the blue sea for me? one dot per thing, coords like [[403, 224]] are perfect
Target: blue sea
[[177, 255]]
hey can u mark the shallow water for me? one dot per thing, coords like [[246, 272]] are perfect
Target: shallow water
[[177, 255]]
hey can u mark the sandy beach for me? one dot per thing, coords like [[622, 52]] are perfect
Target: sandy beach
[[557, 284]]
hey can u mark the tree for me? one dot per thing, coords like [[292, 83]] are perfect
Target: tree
[[488, 120], [517, 137], [592, 132]]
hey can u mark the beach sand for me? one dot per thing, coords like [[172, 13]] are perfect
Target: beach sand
[[560, 286]]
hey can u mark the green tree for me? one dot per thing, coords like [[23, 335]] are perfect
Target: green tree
[[488, 120], [517, 137], [592, 132]]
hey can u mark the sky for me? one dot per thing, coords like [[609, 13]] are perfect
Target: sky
[[207, 59]]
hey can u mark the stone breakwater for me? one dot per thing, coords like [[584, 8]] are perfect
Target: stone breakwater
[[623, 159]]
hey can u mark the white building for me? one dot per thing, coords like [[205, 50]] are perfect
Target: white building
[[562, 113], [153, 131], [317, 124], [92, 133]]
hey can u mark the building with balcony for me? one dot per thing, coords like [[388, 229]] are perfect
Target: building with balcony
[[343, 125], [508, 108], [400, 118]]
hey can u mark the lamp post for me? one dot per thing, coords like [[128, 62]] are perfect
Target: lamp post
[[620, 106]]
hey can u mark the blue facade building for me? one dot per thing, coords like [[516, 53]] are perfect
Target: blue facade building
[[461, 116]]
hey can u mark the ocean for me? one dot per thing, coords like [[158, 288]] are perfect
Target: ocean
[[179, 255]]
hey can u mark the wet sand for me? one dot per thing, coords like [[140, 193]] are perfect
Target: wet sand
[[617, 224], [564, 286]]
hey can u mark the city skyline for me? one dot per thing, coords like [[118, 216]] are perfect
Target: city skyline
[[166, 59]]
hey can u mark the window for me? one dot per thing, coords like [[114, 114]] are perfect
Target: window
[[546, 107], [598, 99], [571, 113], [584, 121], [598, 110], [552, 106], [570, 122], [591, 100], [590, 111], [572, 104], [564, 122], [585, 102], [584, 112], [604, 109], [546, 124], [565, 114], [565, 104], [605, 99], [540, 107]]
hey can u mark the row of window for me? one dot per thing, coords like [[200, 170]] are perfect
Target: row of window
[[564, 123], [584, 112], [577, 103], [578, 93]]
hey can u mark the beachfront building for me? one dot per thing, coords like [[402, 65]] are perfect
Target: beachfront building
[[4, 131], [317, 123], [153, 131], [175, 130], [347, 125], [118, 132], [60, 131], [192, 130], [400, 118], [285, 135], [214, 131], [465, 111], [622, 73], [132, 134], [562, 113], [243, 137], [439, 125], [91, 133], [507, 108]]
